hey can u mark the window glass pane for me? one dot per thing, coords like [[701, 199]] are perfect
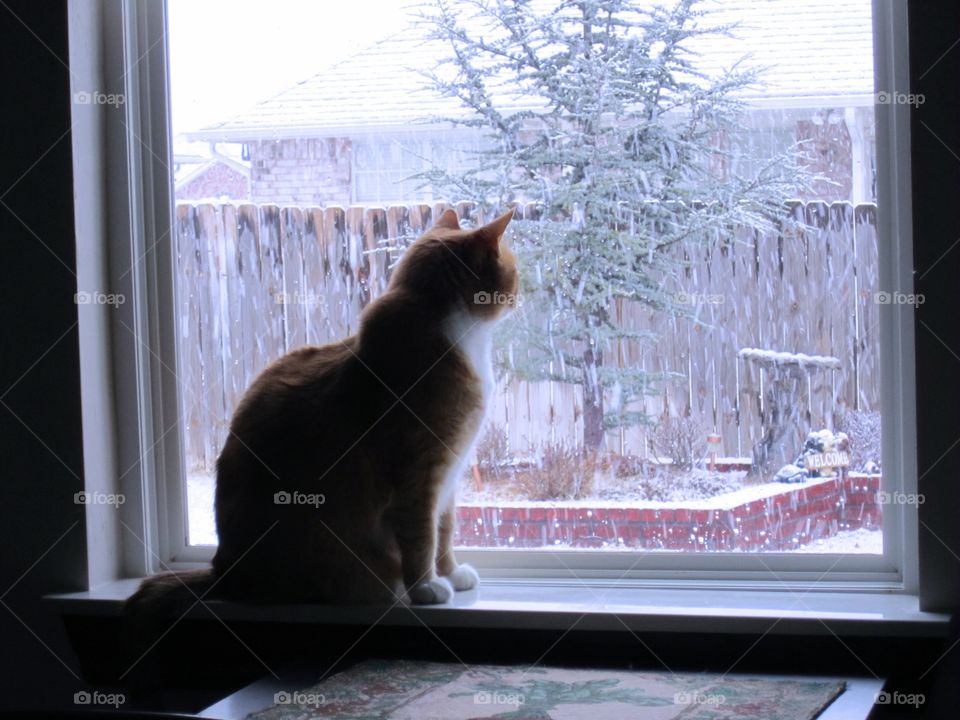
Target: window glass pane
[[695, 365], [385, 170]]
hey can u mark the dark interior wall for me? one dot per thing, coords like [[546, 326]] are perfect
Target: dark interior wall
[[935, 138], [41, 455]]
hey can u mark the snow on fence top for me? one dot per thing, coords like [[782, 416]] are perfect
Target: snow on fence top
[[772, 357]]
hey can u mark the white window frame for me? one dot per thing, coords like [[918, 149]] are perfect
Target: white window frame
[[357, 172], [136, 192]]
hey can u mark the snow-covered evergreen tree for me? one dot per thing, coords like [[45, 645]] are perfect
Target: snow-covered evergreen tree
[[596, 110]]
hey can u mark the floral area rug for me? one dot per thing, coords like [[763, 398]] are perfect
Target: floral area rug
[[406, 690]]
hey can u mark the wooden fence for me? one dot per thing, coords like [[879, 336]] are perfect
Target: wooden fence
[[258, 280]]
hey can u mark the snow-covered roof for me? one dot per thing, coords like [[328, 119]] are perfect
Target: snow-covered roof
[[816, 53]]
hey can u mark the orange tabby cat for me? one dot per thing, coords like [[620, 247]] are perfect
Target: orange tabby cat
[[337, 482]]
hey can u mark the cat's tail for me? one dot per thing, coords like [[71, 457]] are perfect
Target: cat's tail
[[149, 615], [162, 594]]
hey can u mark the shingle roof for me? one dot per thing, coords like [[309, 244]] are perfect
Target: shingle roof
[[815, 53]]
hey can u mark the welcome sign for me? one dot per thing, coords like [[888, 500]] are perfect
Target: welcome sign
[[832, 459]]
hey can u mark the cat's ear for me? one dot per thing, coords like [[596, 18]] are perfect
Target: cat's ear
[[448, 221], [491, 233]]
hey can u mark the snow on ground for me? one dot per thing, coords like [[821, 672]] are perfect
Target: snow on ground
[[200, 509], [202, 532], [723, 501], [846, 542], [743, 495], [861, 541]]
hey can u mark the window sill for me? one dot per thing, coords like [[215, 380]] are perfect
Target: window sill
[[554, 606]]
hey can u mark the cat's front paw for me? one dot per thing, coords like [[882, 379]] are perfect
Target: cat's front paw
[[431, 592], [464, 577]]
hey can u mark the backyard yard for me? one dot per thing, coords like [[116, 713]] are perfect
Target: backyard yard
[[565, 500], [695, 365], [727, 420]]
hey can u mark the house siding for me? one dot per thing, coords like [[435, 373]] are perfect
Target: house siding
[[828, 154], [319, 171], [303, 171], [216, 182]]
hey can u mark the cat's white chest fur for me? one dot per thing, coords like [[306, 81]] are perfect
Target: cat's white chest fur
[[473, 338]]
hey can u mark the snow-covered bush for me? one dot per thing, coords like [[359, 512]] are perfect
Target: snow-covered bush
[[673, 486], [493, 450], [682, 439], [863, 429], [564, 473]]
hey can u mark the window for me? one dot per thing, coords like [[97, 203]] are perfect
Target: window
[[391, 169], [657, 486]]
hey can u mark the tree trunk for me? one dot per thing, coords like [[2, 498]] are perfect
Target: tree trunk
[[592, 399], [784, 428]]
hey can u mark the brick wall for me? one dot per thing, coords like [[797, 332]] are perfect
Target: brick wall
[[784, 521], [219, 180], [305, 171]]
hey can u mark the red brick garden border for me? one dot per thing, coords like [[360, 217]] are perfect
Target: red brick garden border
[[783, 521]]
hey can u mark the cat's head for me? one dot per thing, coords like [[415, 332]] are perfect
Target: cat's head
[[456, 267]]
